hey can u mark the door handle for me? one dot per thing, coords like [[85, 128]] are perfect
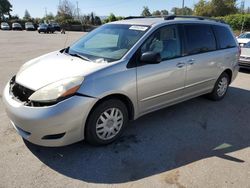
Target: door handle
[[191, 61], [180, 65]]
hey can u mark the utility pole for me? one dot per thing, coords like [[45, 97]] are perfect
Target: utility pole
[[45, 8], [77, 9], [242, 7], [183, 4]]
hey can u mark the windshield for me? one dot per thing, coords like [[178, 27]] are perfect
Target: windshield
[[28, 23], [4, 24], [108, 43], [16, 25], [247, 45], [244, 36]]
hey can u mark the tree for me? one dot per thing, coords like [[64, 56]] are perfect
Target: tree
[[66, 8], [65, 12], [156, 13], [85, 19], [182, 11], [202, 8], [215, 8], [112, 18], [146, 12], [164, 12], [97, 20], [92, 18], [223, 7], [26, 15], [49, 16], [5, 8]]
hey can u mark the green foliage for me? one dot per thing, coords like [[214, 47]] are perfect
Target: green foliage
[[5, 8], [164, 12], [27, 15], [236, 21], [65, 13], [215, 8], [49, 17], [156, 13], [202, 8], [112, 18], [182, 11], [146, 12]]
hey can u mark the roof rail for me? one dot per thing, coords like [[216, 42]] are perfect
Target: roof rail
[[134, 17], [172, 17]]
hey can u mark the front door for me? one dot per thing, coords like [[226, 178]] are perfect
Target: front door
[[163, 83]]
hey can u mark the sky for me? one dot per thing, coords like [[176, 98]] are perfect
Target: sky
[[37, 8]]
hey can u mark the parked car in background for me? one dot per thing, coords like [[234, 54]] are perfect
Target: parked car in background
[[29, 26], [56, 26], [243, 38], [5, 26], [120, 72], [244, 61], [45, 28], [17, 26]]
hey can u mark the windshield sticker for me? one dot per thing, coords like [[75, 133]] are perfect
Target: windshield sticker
[[138, 28]]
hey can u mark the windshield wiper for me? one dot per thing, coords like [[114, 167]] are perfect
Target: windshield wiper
[[80, 56]]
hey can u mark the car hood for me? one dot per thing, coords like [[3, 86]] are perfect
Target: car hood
[[243, 40], [52, 67], [29, 26]]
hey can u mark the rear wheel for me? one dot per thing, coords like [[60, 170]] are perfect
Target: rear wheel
[[106, 122], [220, 88]]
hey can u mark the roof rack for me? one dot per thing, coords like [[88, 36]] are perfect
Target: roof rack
[[172, 17], [134, 17]]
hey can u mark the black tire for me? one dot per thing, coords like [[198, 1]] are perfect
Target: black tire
[[214, 95], [91, 134]]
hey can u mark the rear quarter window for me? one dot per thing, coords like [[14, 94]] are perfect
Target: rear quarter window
[[224, 37], [199, 38]]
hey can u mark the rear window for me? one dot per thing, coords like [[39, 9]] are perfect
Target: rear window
[[200, 38], [224, 37]]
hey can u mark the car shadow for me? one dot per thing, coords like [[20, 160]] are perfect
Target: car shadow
[[245, 70], [159, 142]]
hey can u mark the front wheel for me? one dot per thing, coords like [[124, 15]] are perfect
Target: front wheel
[[220, 88], [106, 122]]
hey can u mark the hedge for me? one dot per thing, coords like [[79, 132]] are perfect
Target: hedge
[[236, 20]]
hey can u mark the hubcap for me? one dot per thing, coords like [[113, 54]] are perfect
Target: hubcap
[[109, 123], [222, 87]]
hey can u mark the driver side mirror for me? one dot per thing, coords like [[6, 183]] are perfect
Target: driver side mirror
[[150, 57]]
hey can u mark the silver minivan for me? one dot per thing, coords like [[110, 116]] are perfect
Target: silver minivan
[[117, 73]]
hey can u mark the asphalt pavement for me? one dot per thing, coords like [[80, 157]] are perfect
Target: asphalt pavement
[[197, 143]]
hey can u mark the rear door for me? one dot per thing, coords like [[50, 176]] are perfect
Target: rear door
[[202, 68]]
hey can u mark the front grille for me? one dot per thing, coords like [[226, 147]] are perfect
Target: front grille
[[244, 57], [20, 92]]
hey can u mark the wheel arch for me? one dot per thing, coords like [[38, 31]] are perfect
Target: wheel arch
[[229, 72], [123, 98]]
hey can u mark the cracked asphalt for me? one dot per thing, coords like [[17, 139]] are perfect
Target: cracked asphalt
[[197, 143]]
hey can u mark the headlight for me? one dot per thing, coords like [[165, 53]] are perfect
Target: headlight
[[57, 90]]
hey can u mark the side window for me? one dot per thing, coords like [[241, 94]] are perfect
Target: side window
[[224, 37], [200, 38], [165, 41]]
